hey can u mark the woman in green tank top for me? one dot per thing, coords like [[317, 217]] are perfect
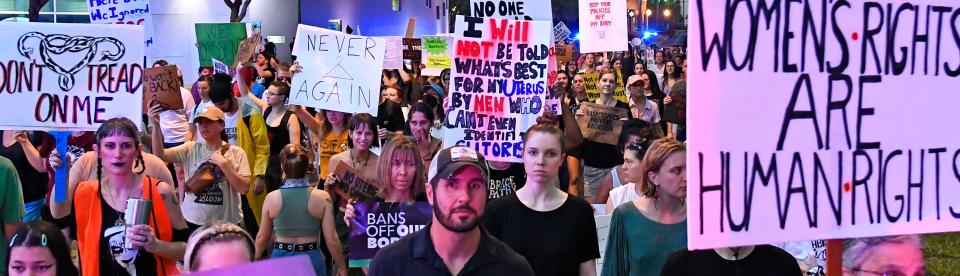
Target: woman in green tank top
[[299, 214]]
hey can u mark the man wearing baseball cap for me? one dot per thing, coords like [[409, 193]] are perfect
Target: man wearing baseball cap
[[453, 243]]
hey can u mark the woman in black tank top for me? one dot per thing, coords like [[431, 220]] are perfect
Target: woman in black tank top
[[282, 128]]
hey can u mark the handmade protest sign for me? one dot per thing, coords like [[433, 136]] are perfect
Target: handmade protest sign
[[247, 49], [436, 54], [69, 76], [393, 56], [561, 32], [220, 67], [603, 26], [498, 84], [128, 12], [352, 185], [163, 85], [412, 48], [601, 123], [592, 82], [829, 146], [219, 41], [298, 265], [379, 224], [564, 53], [513, 9], [603, 233], [340, 72]]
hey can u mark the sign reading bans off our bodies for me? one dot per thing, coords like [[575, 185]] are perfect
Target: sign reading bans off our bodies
[[340, 72], [69, 76], [498, 84], [851, 131], [379, 224]]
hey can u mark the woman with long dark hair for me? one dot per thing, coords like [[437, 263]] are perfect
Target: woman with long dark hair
[[38, 248]]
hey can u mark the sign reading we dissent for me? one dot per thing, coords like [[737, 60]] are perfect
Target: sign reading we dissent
[[219, 41], [850, 131], [498, 84], [69, 76], [340, 72]]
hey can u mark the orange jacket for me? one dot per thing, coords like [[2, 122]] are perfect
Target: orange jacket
[[86, 203]]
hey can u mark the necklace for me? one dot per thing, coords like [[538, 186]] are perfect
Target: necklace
[[358, 164]]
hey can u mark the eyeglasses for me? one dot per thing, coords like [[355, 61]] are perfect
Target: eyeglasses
[[890, 272]]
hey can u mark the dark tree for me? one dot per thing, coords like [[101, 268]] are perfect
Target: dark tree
[[238, 9]]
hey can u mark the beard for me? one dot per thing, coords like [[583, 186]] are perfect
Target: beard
[[456, 225]]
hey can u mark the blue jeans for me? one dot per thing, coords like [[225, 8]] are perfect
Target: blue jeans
[[316, 258]]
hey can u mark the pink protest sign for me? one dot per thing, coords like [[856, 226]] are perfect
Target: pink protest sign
[[499, 84], [851, 134], [286, 266]]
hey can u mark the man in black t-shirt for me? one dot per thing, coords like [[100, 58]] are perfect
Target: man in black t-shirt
[[457, 190]]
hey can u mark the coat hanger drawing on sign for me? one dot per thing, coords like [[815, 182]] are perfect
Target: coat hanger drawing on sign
[[342, 72]]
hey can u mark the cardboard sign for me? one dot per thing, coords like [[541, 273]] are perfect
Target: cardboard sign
[[601, 123], [561, 32], [352, 185], [412, 48], [162, 84], [340, 72], [219, 41], [393, 57], [541, 10], [298, 265], [379, 224], [135, 12], [858, 141], [247, 49], [436, 54], [592, 82], [497, 90], [564, 54], [69, 76], [603, 26]]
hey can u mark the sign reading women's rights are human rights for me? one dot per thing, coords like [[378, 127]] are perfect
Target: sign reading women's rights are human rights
[[498, 84], [849, 128], [340, 72]]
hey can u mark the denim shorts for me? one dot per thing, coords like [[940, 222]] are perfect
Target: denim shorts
[[316, 258]]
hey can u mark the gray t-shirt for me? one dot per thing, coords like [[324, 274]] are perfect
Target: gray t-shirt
[[219, 201]]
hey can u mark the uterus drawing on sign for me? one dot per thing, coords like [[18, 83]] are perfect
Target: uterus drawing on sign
[[601, 34], [66, 55]]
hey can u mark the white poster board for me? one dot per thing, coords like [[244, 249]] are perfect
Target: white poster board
[[561, 32], [393, 57], [220, 67], [69, 76], [603, 231], [129, 12], [603, 26], [436, 53], [489, 109], [340, 72], [513, 9], [787, 144]]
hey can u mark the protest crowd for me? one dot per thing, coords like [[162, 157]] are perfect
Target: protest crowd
[[237, 173]]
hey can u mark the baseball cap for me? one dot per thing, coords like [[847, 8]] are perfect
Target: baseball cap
[[449, 160], [634, 78], [212, 113]]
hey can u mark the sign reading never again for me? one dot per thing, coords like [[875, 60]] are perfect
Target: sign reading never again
[[69, 76], [340, 72], [833, 151], [498, 84]]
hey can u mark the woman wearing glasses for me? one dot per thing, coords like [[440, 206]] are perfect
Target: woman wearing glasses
[[887, 256]]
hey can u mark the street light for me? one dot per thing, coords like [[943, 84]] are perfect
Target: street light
[[666, 13], [649, 12]]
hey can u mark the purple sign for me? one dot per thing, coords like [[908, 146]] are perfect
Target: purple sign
[[379, 224]]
